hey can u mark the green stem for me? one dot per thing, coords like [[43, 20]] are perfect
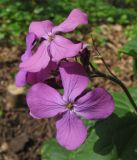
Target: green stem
[[96, 73], [112, 77]]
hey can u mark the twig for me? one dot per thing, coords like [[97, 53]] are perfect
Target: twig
[[100, 56]]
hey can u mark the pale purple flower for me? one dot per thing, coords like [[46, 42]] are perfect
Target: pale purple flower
[[54, 47], [44, 102], [24, 77]]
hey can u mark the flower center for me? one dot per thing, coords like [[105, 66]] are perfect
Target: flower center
[[50, 37], [70, 106]]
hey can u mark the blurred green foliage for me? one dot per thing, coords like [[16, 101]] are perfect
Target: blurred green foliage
[[130, 48], [124, 3], [16, 15], [131, 31]]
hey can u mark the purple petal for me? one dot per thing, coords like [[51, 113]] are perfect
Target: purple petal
[[23, 77], [40, 28], [63, 48], [75, 18], [74, 80], [96, 104], [42, 75], [20, 78], [37, 61], [29, 40], [44, 101], [84, 46], [71, 132], [34, 77]]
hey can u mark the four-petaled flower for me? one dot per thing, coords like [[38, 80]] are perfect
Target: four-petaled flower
[[53, 47], [24, 77], [44, 102]]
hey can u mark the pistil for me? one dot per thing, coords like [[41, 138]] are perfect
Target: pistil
[[70, 106]]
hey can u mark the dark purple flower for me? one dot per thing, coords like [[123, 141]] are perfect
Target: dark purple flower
[[44, 102], [54, 47]]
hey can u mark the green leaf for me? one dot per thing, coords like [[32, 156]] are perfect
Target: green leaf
[[130, 48], [51, 151], [114, 138], [130, 151], [117, 132], [122, 103]]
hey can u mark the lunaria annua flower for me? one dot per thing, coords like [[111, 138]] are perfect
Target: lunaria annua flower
[[24, 77], [44, 102], [54, 47]]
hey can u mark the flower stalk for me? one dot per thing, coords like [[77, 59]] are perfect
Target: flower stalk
[[95, 73]]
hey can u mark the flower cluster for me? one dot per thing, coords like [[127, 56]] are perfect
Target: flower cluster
[[49, 55]]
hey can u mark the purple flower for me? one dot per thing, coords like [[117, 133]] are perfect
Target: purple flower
[[54, 47], [24, 77], [44, 102]]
